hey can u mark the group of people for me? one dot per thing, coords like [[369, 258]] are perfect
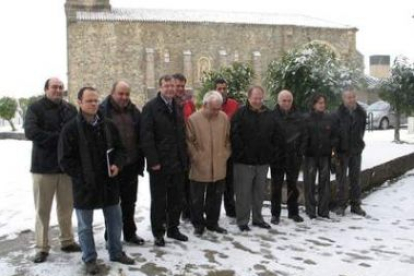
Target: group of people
[[195, 159]]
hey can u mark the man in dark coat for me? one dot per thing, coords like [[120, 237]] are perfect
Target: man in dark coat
[[256, 143], [350, 119], [292, 125], [164, 146], [126, 116], [43, 124], [91, 152]]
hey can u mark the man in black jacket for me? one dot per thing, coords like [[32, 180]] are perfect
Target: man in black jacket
[[91, 152], [43, 123], [256, 143], [164, 146], [350, 119], [292, 125], [126, 116]]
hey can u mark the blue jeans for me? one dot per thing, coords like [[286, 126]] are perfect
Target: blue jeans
[[113, 221]]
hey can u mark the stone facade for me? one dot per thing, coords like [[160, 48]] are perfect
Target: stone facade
[[101, 51]]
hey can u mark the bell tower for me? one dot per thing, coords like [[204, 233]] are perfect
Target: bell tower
[[72, 6]]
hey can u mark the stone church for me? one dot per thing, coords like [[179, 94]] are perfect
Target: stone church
[[106, 44]]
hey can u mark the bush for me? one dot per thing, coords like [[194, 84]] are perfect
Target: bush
[[8, 108]]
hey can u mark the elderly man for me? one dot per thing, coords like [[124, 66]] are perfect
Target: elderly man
[[350, 120], [43, 124], [163, 143], [208, 140], [256, 143], [91, 152], [229, 106], [126, 116], [293, 130]]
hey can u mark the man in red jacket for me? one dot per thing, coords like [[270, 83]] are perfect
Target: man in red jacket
[[229, 106]]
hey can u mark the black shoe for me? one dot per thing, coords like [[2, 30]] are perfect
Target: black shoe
[[91, 268], [244, 228], [312, 216], [262, 224], [159, 241], [74, 247], [124, 259], [296, 218], [40, 257], [339, 211], [275, 220], [356, 209], [231, 213], [185, 216], [324, 216], [135, 240], [176, 235], [217, 229], [199, 231]]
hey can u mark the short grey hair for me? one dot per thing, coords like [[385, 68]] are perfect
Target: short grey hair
[[212, 96]]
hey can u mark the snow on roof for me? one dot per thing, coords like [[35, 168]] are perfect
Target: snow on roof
[[193, 16]]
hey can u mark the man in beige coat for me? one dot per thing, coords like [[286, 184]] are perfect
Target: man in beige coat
[[208, 140]]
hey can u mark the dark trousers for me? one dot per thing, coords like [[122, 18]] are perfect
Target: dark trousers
[[228, 198], [353, 163], [186, 213], [128, 188], [320, 166], [206, 198], [166, 201], [290, 168]]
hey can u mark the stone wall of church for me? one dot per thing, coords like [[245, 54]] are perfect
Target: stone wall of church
[[140, 52]]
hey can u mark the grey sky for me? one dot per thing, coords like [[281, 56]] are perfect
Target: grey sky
[[33, 33]]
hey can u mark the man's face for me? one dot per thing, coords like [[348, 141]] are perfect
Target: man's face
[[167, 89], [89, 103], [54, 92], [256, 98], [320, 105], [121, 94], [213, 108], [349, 99], [222, 88], [285, 101], [179, 88]]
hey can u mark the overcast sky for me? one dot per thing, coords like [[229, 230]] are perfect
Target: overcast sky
[[33, 33]]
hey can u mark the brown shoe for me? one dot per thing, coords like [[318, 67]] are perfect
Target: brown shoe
[[124, 259]]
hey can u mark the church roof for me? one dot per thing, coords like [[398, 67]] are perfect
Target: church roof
[[193, 16]]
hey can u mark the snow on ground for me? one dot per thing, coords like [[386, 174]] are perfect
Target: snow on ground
[[380, 244]]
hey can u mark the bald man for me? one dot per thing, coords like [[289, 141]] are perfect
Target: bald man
[[119, 108], [292, 124], [351, 121], [42, 125]]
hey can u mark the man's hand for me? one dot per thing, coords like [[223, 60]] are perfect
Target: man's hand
[[114, 171], [156, 167]]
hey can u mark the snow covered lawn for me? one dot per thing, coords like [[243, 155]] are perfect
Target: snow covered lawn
[[381, 244]]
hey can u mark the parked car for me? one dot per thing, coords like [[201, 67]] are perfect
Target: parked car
[[381, 115]]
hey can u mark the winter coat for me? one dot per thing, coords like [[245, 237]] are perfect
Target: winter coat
[[351, 130], [83, 156], [292, 125], [320, 134], [256, 138], [208, 142], [42, 125], [108, 109], [163, 136]]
